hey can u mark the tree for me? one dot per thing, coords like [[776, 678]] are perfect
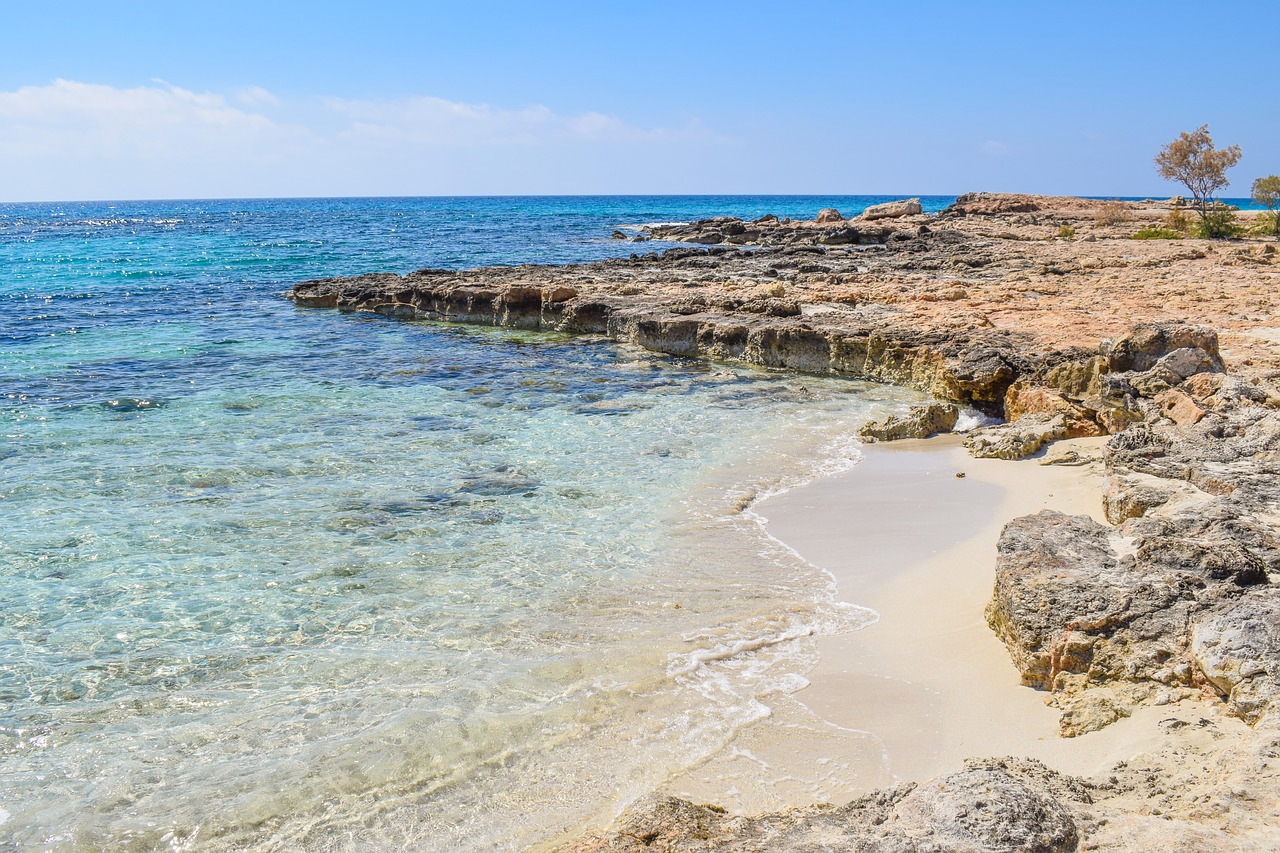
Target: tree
[[1192, 161], [1266, 192]]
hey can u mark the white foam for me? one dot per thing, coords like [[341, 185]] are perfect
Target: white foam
[[971, 419]]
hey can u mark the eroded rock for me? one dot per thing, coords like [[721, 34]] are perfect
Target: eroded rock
[[991, 806], [892, 210], [919, 422], [1238, 649], [1017, 440]]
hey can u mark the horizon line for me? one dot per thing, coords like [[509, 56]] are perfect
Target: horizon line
[[1091, 196]]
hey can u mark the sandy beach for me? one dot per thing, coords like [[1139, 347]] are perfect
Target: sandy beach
[[1150, 635], [911, 532]]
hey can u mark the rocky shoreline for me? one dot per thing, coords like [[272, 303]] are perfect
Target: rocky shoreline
[[1043, 312]]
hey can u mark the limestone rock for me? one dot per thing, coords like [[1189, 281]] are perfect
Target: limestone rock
[[1189, 361], [1024, 398], [1075, 378], [1017, 440], [1089, 712], [829, 215], [991, 806], [919, 422], [1058, 583], [1238, 649], [1116, 419], [1178, 407], [893, 209], [1143, 347], [983, 808], [1127, 494]]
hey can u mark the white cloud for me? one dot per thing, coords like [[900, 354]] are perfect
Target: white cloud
[[84, 119], [73, 140], [436, 121], [255, 96], [996, 148]]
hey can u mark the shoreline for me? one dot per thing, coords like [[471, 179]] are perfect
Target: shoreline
[[1144, 616], [927, 685]]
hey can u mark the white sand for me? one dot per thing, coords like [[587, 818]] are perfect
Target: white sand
[[929, 684]]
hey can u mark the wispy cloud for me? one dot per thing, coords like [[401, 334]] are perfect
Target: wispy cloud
[[436, 121], [255, 95], [71, 139], [87, 119]]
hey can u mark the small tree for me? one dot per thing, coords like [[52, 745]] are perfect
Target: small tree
[[1266, 192], [1192, 161]]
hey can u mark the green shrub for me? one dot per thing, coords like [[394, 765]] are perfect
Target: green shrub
[[1157, 232], [1219, 223], [1266, 224], [1066, 232]]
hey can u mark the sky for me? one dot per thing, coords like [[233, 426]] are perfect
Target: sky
[[145, 100]]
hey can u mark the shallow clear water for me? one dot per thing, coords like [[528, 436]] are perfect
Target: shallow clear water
[[273, 577]]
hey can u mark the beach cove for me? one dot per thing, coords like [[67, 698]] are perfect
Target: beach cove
[[325, 579], [1147, 622]]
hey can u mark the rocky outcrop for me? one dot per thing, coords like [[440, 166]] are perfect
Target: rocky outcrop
[[1003, 204], [991, 805], [828, 229], [1180, 598], [1159, 370], [973, 367]]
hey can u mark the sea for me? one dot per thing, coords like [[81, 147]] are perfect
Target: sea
[[276, 578]]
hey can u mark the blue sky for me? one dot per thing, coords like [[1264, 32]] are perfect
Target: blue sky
[[164, 100]]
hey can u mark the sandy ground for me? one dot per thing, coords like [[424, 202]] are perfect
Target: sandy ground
[[928, 684]]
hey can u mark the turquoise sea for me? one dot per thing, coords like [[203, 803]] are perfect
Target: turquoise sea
[[275, 578]]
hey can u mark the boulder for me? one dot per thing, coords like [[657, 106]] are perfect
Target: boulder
[[1016, 440], [983, 808], [1058, 584], [919, 422], [893, 209], [829, 215], [1238, 649], [1024, 399], [1147, 343]]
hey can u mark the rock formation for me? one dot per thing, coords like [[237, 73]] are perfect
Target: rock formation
[[1163, 345]]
